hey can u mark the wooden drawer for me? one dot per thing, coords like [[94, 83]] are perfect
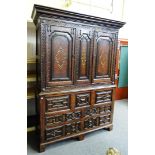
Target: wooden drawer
[[82, 99], [62, 131], [61, 118], [105, 119], [57, 103], [97, 121], [99, 110], [103, 96]]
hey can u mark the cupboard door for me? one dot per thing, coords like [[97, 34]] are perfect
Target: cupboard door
[[60, 50], [102, 60], [83, 55]]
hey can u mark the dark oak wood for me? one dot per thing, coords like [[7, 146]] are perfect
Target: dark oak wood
[[109, 128], [81, 137], [75, 73]]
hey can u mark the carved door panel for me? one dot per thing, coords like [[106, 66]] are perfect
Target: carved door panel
[[60, 51], [103, 58], [83, 55]]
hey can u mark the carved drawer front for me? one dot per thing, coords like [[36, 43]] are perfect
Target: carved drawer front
[[62, 131], [106, 119], [102, 110], [54, 133], [104, 96], [106, 109], [57, 103], [91, 123], [82, 99], [91, 111], [60, 118], [72, 128]]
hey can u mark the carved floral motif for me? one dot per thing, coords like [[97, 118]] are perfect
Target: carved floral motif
[[60, 58]]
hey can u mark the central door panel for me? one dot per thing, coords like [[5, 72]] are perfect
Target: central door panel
[[83, 55]]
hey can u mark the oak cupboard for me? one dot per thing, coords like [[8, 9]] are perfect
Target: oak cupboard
[[75, 73]]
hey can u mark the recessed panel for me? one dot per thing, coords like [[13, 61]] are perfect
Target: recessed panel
[[57, 103], [102, 58], [60, 56], [84, 51]]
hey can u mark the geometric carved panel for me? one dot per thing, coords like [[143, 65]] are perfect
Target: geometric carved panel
[[54, 133], [58, 103], [106, 109], [59, 118], [72, 128], [91, 111], [91, 123], [105, 119], [104, 96], [82, 100], [58, 132]]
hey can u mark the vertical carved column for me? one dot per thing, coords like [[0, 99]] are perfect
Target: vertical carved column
[[43, 52], [115, 44]]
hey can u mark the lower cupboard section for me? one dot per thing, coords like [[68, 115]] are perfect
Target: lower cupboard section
[[87, 124]]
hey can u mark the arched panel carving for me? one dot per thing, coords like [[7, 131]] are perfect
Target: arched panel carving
[[60, 49], [103, 57], [61, 46]]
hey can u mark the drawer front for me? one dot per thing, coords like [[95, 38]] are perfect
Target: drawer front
[[82, 100], [62, 131], [91, 123], [97, 121], [103, 96], [54, 133], [60, 118], [104, 120], [106, 109], [57, 103], [101, 110]]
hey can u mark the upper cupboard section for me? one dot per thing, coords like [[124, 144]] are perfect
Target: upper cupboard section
[[76, 54]]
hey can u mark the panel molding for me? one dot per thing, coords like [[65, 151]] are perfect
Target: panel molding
[[59, 55]]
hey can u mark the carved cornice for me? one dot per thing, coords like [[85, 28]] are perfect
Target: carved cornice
[[39, 11]]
